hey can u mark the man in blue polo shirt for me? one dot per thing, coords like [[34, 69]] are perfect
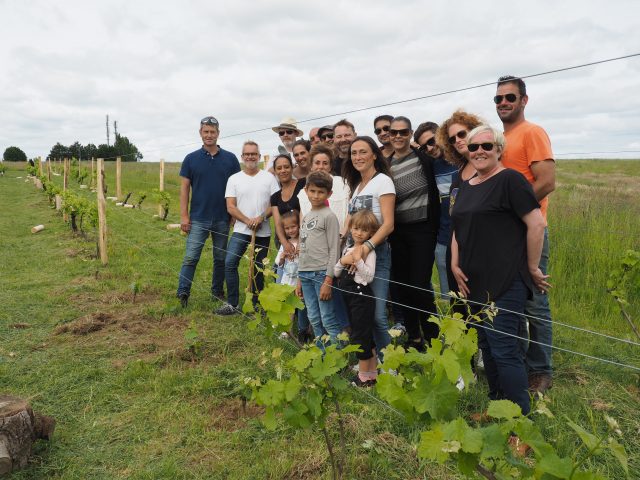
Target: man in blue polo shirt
[[204, 174]]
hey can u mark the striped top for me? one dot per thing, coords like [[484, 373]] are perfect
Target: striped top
[[412, 193]]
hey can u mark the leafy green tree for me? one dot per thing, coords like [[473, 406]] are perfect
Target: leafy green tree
[[14, 154], [59, 151], [127, 150]]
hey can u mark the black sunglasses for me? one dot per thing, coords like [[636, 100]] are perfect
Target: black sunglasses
[[429, 143], [378, 131], [404, 132], [288, 132], [486, 146], [462, 134], [326, 136], [509, 97], [209, 121]]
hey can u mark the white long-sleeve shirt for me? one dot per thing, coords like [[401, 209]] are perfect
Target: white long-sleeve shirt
[[365, 269]]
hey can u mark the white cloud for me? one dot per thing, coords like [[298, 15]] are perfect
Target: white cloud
[[158, 68]]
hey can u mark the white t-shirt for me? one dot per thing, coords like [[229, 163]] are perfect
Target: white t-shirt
[[369, 197], [253, 195], [338, 201]]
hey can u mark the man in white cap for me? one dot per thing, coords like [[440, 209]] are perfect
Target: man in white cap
[[288, 131]]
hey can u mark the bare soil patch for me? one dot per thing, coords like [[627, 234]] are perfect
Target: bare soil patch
[[86, 324], [231, 414]]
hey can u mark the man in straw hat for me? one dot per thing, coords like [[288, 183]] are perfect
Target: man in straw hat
[[288, 131]]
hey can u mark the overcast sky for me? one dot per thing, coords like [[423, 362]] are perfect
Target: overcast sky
[[158, 67]]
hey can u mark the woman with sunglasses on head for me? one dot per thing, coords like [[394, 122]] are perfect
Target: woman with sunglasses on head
[[451, 137], [413, 241], [495, 251]]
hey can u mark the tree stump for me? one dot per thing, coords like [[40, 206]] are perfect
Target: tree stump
[[19, 428]]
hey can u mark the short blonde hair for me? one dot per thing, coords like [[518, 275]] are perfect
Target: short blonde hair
[[366, 220], [498, 136]]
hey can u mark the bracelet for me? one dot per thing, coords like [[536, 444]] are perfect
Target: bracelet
[[370, 244]]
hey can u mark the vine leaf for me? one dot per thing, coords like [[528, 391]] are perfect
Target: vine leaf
[[432, 445], [503, 409], [618, 451], [554, 465], [589, 439]]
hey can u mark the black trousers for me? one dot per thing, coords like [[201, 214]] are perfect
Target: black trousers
[[361, 307], [412, 256]]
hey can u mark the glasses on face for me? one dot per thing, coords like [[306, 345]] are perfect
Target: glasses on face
[[404, 132], [282, 133], [251, 154], [509, 97], [429, 143], [486, 146], [462, 134], [327, 136], [378, 131], [209, 121]]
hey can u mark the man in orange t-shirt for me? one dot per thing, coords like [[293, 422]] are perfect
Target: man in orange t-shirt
[[528, 150]]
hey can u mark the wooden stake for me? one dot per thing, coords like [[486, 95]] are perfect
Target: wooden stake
[[102, 214], [65, 184], [37, 228], [92, 170], [40, 167], [118, 177], [49, 169], [161, 188], [252, 251], [265, 159]]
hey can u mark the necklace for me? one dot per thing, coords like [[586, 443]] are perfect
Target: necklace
[[496, 169]]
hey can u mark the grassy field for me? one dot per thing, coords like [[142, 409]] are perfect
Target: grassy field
[[131, 401]]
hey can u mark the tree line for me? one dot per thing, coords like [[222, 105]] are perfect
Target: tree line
[[122, 147]]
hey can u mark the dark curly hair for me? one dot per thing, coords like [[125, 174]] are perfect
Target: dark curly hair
[[352, 176], [461, 117]]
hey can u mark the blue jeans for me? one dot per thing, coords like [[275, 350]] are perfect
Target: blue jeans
[[503, 355], [238, 244], [340, 307], [441, 264], [198, 235], [321, 313], [380, 289], [539, 356]]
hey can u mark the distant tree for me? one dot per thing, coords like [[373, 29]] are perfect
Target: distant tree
[[76, 150], [108, 152], [127, 150], [59, 151], [14, 154], [90, 151]]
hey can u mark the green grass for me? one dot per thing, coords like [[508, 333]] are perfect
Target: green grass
[[132, 403]]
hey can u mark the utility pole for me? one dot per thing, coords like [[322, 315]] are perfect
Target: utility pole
[[115, 128], [108, 140]]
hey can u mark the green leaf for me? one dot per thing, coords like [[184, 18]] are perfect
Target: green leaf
[[389, 387], [439, 399], [470, 439], [503, 409], [304, 357], [351, 348], [314, 402], [292, 388], [451, 366], [494, 440], [253, 324], [589, 439], [588, 476], [323, 367], [467, 463], [621, 455], [247, 306], [295, 415], [432, 445], [272, 393], [269, 419], [393, 357], [559, 467], [530, 434]]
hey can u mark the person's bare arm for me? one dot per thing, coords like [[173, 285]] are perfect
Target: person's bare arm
[[535, 238], [461, 278], [185, 189], [544, 174], [387, 209]]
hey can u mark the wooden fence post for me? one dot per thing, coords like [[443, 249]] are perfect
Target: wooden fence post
[[91, 185], [118, 177], [102, 214], [65, 184], [40, 168], [161, 188], [265, 159], [49, 169]]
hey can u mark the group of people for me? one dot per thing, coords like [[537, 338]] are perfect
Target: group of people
[[359, 225]]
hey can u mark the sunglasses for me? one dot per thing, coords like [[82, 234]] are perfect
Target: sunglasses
[[429, 143], [287, 132], [462, 134], [378, 131], [327, 136], [209, 121], [509, 97], [405, 132], [487, 146]]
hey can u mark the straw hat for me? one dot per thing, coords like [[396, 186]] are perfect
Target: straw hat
[[288, 123]]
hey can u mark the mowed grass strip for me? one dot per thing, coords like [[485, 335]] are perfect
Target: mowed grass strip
[[132, 402]]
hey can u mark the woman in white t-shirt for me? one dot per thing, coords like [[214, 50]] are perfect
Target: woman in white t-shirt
[[368, 177]]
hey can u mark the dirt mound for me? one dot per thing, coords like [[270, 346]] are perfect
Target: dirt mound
[[86, 324], [231, 414]]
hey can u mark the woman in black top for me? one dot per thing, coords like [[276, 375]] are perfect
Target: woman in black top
[[495, 250], [413, 241], [285, 199]]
